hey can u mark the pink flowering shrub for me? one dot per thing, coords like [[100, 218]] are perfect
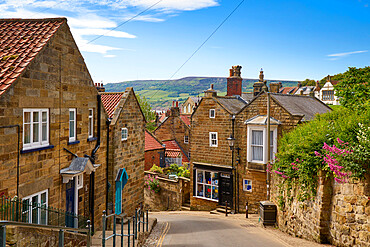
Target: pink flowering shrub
[[152, 183]]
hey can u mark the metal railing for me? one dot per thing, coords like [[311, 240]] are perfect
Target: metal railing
[[136, 223], [86, 231], [18, 210]]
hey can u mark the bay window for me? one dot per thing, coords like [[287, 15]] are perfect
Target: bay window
[[257, 143], [35, 128]]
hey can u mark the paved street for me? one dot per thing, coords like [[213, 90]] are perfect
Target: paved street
[[191, 229]]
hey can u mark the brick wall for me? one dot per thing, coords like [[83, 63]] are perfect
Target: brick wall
[[128, 154], [56, 79], [152, 157]]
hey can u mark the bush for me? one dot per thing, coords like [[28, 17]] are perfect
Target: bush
[[334, 142], [183, 172], [152, 183], [156, 169], [174, 169]]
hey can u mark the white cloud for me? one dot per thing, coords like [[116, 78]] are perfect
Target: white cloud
[[109, 55], [185, 5], [336, 56], [101, 31]]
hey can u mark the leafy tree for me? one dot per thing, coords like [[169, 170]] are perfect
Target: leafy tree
[[308, 82], [354, 88], [148, 112]]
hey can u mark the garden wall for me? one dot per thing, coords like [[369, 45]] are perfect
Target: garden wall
[[173, 193], [339, 214]]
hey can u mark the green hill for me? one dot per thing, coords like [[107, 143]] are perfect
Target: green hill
[[161, 93]]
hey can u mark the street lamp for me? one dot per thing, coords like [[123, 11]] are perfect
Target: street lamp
[[231, 141]]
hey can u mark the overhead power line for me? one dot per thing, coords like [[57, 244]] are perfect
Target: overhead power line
[[205, 41]]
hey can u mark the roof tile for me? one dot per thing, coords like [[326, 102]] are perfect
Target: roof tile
[[20, 41], [110, 101], [151, 143]]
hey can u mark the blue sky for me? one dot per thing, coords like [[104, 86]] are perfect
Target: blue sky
[[289, 39]]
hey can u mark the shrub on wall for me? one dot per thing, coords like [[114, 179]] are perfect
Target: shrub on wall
[[156, 169], [336, 142], [152, 183]]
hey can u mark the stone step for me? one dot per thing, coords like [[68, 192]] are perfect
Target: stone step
[[185, 208], [223, 210]]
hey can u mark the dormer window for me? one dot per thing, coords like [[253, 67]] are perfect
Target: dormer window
[[212, 113]]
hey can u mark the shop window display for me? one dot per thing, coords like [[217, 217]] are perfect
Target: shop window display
[[207, 184]]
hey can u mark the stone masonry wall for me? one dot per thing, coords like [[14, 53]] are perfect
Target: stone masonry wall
[[35, 236], [57, 79], [339, 214], [128, 154], [171, 197]]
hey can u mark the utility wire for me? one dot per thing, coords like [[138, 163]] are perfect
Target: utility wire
[[123, 23], [210, 36]]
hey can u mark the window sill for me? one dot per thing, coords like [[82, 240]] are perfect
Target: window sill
[[73, 142], [90, 139], [30, 150], [205, 198]]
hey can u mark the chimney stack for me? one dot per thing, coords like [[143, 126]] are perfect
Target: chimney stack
[[99, 87], [260, 85], [234, 82], [209, 93], [175, 110], [275, 87]]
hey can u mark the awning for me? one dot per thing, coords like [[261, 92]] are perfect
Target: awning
[[78, 165]]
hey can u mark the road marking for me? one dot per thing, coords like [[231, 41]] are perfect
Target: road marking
[[163, 235]]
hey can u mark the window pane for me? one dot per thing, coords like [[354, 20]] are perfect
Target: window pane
[[257, 153], [35, 118], [44, 132], [27, 133], [214, 178], [43, 209], [71, 115], [35, 214], [44, 117], [257, 137], [200, 176], [208, 177], [27, 117], [71, 128], [35, 132], [208, 191], [90, 113], [200, 190], [25, 210], [215, 192]]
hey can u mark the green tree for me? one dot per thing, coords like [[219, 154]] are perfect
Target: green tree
[[308, 82], [354, 88], [149, 114]]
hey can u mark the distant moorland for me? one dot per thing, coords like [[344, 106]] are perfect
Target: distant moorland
[[161, 93]]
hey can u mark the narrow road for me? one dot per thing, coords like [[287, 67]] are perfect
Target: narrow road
[[202, 230]]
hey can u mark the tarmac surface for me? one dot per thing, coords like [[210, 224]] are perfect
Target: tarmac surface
[[202, 229]]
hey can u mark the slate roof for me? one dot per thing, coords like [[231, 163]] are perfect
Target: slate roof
[[172, 145], [306, 90], [306, 106], [151, 142], [186, 119], [20, 41], [247, 96], [110, 101], [231, 103], [196, 99]]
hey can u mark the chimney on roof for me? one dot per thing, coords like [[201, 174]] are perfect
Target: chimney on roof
[[317, 86], [175, 110], [275, 87], [299, 84], [328, 78], [260, 85], [100, 87], [210, 92], [234, 81]]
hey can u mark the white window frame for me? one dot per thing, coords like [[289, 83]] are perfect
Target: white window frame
[[40, 143], [204, 184], [189, 108], [91, 123], [80, 181], [245, 185], [31, 208], [184, 109], [122, 136], [212, 113], [211, 139], [186, 139], [273, 128], [72, 138]]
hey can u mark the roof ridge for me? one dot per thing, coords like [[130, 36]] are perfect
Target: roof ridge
[[34, 20], [105, 93]]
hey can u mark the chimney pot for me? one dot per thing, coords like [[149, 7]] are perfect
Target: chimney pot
[[177, 104], [173, 103]]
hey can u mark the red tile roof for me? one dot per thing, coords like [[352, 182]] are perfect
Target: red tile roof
[[173, 146], [186, 119], [151, 143], [173, 153], [162, 117], [20, 41], [288, 90], [110, 101]]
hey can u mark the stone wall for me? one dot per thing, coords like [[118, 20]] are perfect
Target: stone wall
[[171, 197], [36, 236], [128, 154], [56, 79], [339, 214]]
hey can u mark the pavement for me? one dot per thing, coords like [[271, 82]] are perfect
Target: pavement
[[196, 228]]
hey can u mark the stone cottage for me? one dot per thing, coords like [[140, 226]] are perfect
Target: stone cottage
[[52, 142], [229, 142], [126, 149], [176, 127], [187, 108]]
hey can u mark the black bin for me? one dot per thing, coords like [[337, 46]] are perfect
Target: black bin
[[267, 212]]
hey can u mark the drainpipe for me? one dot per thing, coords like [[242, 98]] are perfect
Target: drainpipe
[[268, 144], [108, 122], [18, 133], [232, 162]]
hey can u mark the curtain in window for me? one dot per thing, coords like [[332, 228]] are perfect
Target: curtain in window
[[257, 145]]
